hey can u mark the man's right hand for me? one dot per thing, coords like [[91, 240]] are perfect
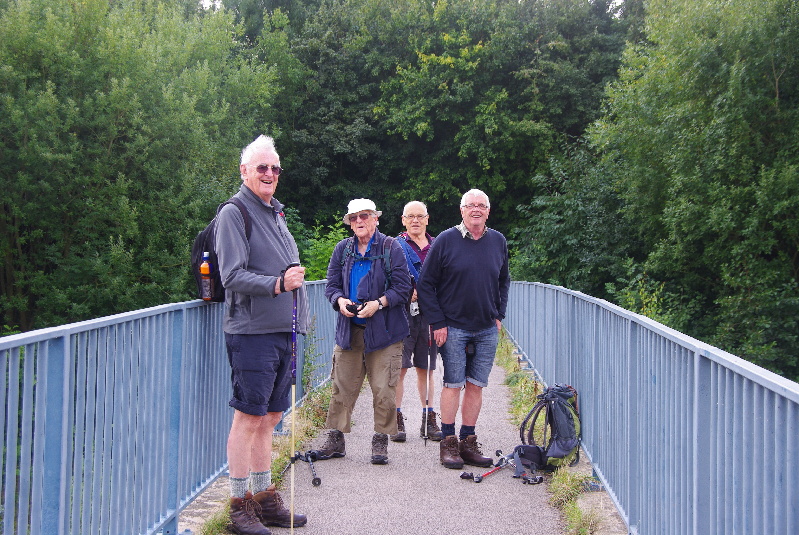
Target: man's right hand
[[440, 336], [342, 307]]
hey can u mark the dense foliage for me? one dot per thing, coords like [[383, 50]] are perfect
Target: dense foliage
[[685, 202], [644, 152]]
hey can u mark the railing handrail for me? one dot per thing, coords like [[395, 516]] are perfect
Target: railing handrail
[[673, 474], [38, 335], [686, 437], [758, 374], [124, 414]]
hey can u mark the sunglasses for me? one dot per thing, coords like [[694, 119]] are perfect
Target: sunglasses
[[276, 169], [362, 216]]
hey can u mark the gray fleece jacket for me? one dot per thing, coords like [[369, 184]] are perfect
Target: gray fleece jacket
[[249, 269]]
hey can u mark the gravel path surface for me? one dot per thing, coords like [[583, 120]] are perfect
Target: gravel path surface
[[413, 493]]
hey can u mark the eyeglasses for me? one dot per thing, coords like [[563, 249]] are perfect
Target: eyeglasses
[[415, 216], [276, 169], [363, 216], [470, 206]]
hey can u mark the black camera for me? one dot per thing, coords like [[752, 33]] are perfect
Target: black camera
[[354, 308]]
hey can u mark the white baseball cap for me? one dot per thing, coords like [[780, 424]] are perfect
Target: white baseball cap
[[359, 205]]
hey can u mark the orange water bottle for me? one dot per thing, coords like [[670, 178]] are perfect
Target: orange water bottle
[[207, 282]]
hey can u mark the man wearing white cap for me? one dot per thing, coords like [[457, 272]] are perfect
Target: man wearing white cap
[[368, 284]]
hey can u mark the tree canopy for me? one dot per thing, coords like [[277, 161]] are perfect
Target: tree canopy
[[643, 152], [695, 160]]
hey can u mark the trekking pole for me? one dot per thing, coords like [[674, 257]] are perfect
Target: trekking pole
[[520, 474], [293, 386], [501, 463], [427, 381], [310, 457]]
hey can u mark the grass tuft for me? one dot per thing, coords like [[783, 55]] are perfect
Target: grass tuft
[[564, 485]]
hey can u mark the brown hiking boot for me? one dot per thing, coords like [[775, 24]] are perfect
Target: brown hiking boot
[[400, 436], [244, 516], [380, 448], [450, 456], [433, 431], [272, 512], [470, 453], [333, 446]]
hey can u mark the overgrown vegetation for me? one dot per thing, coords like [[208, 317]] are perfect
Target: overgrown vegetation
[[641, 152], [564, 485]]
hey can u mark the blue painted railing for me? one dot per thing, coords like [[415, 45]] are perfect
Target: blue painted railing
[[114, 425], [687, 438]]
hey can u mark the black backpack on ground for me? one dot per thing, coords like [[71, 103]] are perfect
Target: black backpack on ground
[[206, 241], [550, 433]]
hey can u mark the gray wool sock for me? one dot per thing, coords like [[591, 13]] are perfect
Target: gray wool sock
[[260, 481], [239, 486]]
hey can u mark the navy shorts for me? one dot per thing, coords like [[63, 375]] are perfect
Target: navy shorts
[[416, 349], [260, 372]]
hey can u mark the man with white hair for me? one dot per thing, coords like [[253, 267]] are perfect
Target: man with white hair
[[368, 285], [258, 334], [463, 292]]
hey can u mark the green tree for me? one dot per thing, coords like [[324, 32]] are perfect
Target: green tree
[[120, 129], [700, 136], [491, 91], [573, 235]]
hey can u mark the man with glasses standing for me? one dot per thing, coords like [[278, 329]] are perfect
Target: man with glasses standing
[[463, 292], [368, 285], [258, 334], [417, 350]]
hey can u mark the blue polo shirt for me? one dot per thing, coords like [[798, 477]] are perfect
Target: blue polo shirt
[[361, 266]]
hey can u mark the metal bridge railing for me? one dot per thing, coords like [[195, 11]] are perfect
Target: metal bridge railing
[[687, 438], [114, 425]]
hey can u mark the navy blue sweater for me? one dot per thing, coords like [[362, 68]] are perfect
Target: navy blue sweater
[[464, 282]]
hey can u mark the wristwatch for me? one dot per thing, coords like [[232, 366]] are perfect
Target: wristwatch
[[379, 305]]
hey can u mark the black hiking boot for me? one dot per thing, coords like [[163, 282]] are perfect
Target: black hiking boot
[[333, 446], [400, 436], [471, 454], [433, 431], [380, 448], [450, 456]]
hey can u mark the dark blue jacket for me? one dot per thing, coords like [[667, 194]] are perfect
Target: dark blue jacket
[[387, 326]]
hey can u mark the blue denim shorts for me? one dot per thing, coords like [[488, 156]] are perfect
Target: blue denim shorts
[[457, 367], [260, 372]]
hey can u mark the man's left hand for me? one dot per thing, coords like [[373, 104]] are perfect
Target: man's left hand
[[369, 309], [293, 278]]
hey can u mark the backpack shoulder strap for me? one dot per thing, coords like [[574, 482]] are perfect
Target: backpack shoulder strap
[[244, 212], [348, 250], [389, 241]]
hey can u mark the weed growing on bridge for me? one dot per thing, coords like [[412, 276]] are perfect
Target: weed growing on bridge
[[310, 419], [523, 386], [565, 484]]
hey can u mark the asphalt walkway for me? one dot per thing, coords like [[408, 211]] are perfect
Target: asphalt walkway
[[414, 493]]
